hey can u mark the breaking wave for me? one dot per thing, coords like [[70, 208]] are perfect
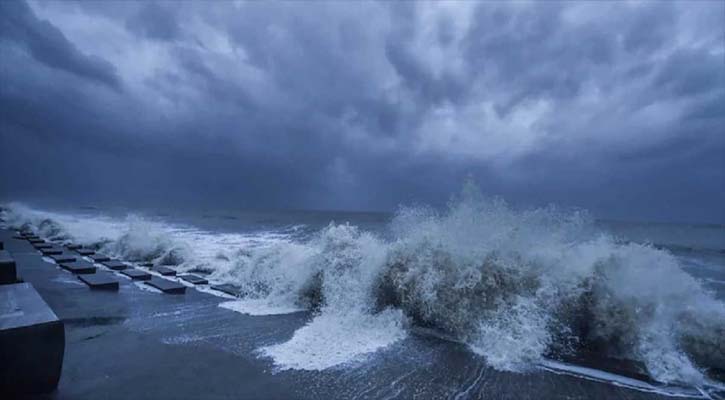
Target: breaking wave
[[517, 287]]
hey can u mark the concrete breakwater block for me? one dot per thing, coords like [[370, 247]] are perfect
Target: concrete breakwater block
[[100, 281], [99, 258], [228, 289], [63, 258], [8, 271], [85, 252], [147, 264], [115, 265], [167, 286], [41, 246], [73, 246], [196, 280], [51, 251], [165, 271], [136, 274], [36, 241], [79, 267], [32, 343]]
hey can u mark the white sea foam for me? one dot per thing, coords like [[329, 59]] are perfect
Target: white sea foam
[[259, 307], [333, 339], [516, 286]]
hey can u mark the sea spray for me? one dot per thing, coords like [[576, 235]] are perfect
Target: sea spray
[[516, 286]]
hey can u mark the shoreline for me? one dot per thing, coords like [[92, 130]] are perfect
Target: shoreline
[[142, 344]]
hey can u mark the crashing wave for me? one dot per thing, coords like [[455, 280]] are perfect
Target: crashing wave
[[517, 287]]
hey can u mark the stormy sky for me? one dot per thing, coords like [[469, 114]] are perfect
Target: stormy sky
[[617, 107]]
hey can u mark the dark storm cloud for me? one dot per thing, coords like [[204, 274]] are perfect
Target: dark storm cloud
[[610, 106], [154, 21], [48, 45]]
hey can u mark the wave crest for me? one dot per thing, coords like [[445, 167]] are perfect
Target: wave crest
[[515, 286]]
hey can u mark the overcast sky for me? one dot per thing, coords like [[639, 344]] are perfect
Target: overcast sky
[[617, 107]]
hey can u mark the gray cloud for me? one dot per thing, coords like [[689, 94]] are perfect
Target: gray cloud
[[155, 22], [47, 44], [613, 107]]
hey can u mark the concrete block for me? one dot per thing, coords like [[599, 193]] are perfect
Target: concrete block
[[51, 251], [8, 271], [73, 246], [146, 264], [79, 267], [40, 246], [63, 258], [99, 258], [36, 241], [195, 279], [167, 286], [136, 274], [228, 289], [115, 265], [165, 271], [85, 252], [100, 281], [32, 343]]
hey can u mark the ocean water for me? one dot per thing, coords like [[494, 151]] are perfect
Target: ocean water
[[521, 289]]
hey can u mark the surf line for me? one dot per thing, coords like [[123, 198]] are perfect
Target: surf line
[[596, 375]]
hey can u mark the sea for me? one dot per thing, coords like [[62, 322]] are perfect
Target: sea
[[507, 290]]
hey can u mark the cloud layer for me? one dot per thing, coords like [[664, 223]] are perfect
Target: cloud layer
[[615, 107]]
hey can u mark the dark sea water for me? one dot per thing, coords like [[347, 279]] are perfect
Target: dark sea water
[[479, 287]]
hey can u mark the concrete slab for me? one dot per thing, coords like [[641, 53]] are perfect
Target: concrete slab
[[51, 251], [165, 271], [79, 267], [167, 286], [136, 274], [100, 281], [195, 279], [228, 289], [99, 257], [115, 265], [63, 258], [8, 271], [32, 342], [85, 252]]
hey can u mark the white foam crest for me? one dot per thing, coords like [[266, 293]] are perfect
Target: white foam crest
[[79, 228], [347, 264], [260, 307], [514, 285]]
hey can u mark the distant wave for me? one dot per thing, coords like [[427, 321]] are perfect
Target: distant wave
[[518, 287]]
